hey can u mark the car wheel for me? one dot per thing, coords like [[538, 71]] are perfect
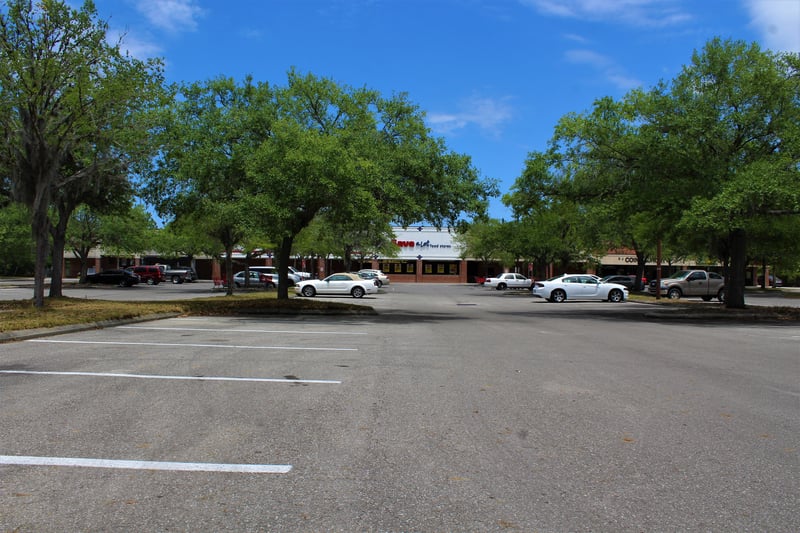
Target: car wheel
[[615, 296], [237, 285], [151, 281], [674, 293], [501, 286], [721, 295], [308, 291], [177, 279], [558, 296], [378, 283], [357, 292]]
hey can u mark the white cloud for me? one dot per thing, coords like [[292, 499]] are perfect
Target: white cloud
[[647, 13], [778, 21], [606, 66], [171, 15], [488, 114]]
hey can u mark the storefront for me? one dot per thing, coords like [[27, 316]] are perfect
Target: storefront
[[427, 255]]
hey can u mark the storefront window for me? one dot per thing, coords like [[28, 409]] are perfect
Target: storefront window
[[398, 267], [444, 268]]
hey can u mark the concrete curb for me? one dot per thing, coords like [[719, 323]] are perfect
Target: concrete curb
[[26, 334]]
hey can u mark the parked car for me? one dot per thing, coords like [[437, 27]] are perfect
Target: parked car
[[257, 279], [508, 280], [773, 281], [273, 271], [628, 281], [339, 283], [123, 278], [383, 278], [579, 287], [706, 285], [299, 274], [150, 274], [372, 276]]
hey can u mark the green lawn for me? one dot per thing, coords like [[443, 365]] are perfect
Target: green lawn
[[21, 314]]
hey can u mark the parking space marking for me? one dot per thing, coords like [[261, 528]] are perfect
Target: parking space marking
[[304, 332], [144, 465], [186, 378], [240, 347]]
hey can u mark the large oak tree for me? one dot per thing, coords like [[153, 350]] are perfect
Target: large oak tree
[[67, 102]]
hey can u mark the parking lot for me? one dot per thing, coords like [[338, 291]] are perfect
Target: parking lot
[[455, 409]]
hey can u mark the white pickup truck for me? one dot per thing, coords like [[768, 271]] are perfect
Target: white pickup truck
[[706, 285]]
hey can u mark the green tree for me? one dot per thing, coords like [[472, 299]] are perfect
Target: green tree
[[734, 115], [484, 239], [120, 233], [547, 220], [207, 132], [15, 239], [66, 94], [106, 189], [695, 164], [355, 155]]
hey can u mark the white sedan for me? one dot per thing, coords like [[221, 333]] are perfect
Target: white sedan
[[382, 278], [579, 287], [509, 280], [340, 283]]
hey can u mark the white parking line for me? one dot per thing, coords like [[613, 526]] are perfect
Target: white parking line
[[154, 376], [228, 330], [241, 347], [143, 465]]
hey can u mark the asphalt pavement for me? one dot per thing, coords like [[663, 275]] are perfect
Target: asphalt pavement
[[456, 408]]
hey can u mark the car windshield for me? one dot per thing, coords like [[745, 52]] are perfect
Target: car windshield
[[680, 275]]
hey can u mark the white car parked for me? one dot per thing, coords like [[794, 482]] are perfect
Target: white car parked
[[379, 275], [508, 280], [273, 271], [579, 287], [300, 275], [341, 283]]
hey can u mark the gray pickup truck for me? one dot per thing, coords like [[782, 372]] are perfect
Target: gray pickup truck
[[706, 285]]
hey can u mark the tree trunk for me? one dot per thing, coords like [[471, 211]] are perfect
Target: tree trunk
[[41, 236], [83, 257], [284, 252], [229, 268], [57, 274], [59, 232], [735, 282]]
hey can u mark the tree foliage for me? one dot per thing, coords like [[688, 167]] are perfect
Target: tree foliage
[[67, 105], [698, 163], [275, 158]]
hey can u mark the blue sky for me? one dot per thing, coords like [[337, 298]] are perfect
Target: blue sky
[[493, 76]]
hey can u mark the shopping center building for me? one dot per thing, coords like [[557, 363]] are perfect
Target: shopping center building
[[426, 255]]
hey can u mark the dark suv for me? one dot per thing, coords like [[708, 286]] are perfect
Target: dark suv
[[150, 274]]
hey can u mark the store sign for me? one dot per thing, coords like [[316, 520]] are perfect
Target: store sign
[[421, 244], [428, 242]]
